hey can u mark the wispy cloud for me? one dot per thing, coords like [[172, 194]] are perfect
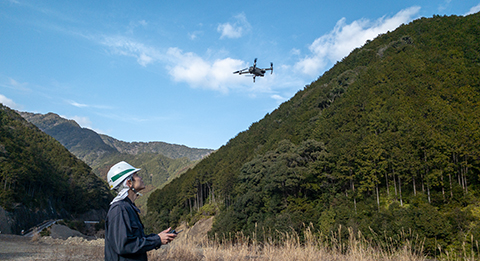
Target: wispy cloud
[[134, 24], [473, 10], [195, 34], [345, 37], [235, 30], [14, 2], [82, 105], [121, 45], [444, 5], [76, 104], [13, 84], [81, 120], [84, 122], [9, 102]]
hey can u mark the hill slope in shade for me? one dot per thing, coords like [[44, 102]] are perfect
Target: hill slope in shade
[[40, 179]]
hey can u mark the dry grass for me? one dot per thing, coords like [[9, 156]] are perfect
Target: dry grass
[[274, 246], [285, 246]]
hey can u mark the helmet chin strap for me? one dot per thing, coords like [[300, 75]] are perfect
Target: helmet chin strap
[[133, 189], [136, 192]]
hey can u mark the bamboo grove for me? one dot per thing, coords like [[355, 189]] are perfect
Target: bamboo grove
[[386, 141]]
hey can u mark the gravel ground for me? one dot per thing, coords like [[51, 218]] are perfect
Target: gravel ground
[[67, 244], [13, 247]]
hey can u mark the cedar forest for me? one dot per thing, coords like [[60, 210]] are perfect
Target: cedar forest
[[387, 142]]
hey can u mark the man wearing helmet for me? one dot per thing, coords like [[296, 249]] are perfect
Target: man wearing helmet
[[124, 236]]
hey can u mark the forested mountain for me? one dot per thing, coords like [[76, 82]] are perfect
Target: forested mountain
[[40, 179], [159, 161], [386, 142]]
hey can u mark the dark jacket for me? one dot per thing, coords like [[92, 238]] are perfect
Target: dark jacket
[[124, 236]]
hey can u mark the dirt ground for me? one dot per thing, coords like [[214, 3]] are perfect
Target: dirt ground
[[13, 247], [65, 244]]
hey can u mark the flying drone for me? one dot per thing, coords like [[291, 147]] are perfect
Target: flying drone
[[255, 71]]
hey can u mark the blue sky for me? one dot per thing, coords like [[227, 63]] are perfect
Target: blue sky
[[163, 70]]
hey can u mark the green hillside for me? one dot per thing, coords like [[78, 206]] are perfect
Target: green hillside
[[39, 177], [387, 142]]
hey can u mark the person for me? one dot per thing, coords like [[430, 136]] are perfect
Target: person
[[124, 235]]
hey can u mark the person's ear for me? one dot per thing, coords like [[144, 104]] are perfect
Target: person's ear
[[129, 183]]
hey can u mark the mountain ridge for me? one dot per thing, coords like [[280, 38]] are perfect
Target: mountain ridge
[[50, 123]]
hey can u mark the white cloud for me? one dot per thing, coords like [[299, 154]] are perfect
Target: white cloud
[[229, 31], [335, 45], [194, 70], [182, 66], [473, 10], [278, 98], [235, 30], [144, 59], [9, 103]]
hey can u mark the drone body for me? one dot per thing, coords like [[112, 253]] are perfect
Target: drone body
[[255, 71]]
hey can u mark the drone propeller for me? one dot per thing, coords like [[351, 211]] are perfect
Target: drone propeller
[[255, 63], [271, 68], [240, 71]]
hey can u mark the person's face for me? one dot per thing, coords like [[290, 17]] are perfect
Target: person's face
[[137, 182]]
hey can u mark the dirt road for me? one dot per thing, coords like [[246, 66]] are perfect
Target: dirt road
[[13, 247]]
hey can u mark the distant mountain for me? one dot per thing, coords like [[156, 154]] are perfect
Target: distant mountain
[[386, 143], [40, 179], [85, 143], [159, 161], [172, 151]]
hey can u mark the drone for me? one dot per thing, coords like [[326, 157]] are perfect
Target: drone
[[255, 71]]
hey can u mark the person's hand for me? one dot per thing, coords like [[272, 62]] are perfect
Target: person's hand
[[167, 237]]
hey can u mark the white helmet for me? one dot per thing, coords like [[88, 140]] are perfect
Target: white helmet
[[119, 172]]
